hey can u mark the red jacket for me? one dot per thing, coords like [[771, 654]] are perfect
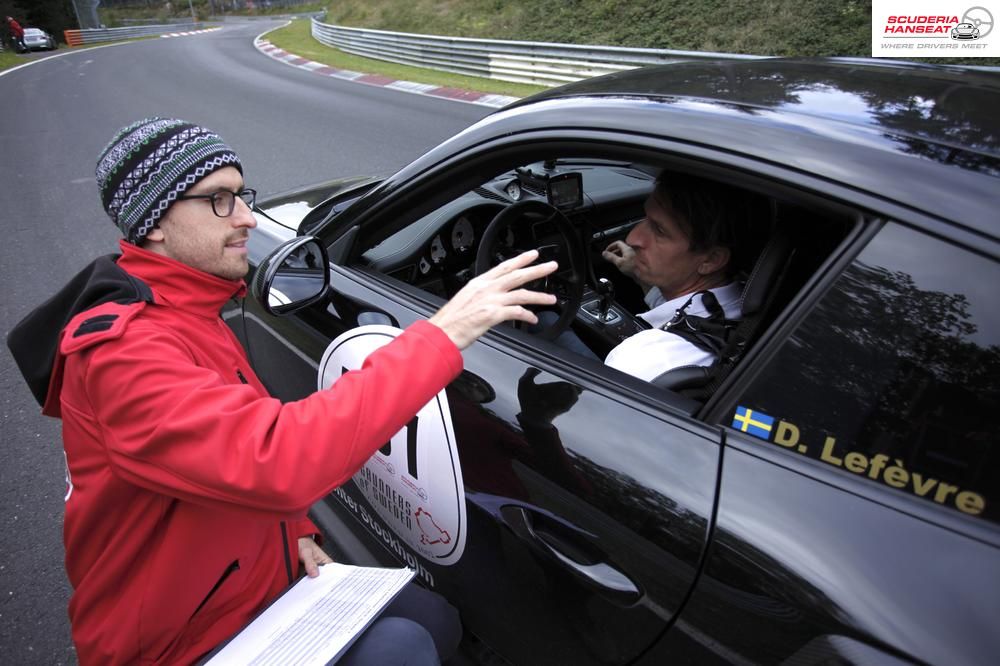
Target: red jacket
[[15, 28], [187, 485]]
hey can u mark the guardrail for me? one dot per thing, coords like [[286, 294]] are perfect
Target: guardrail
[[77, 37], [539, 63]]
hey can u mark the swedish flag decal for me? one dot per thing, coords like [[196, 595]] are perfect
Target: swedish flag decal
[[754, 423]]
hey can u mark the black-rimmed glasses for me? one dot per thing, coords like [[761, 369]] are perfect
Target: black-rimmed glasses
[[224, 201]]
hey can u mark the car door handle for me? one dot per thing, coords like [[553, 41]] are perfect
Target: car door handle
[[373, 317], [600, 575]]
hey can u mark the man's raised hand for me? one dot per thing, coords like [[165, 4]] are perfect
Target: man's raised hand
[[494, 297]]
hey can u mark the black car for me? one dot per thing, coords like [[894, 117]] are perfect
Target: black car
[[826, 493]]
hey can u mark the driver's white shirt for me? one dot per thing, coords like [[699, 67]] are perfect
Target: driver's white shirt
[[648, 354]]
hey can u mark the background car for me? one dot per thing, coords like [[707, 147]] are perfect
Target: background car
[[827, 494], [965, 31], [36, 39]]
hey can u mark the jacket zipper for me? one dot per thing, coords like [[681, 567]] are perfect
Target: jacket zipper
[[288, 559], [284, 527]]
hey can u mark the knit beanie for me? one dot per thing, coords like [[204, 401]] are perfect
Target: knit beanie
[[149, 164]]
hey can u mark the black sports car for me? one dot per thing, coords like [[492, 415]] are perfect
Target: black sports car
[[825, 493]]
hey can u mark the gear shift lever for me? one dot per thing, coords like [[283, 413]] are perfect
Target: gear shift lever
[[606, 289]]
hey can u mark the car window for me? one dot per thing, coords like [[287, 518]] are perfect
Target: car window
[[435, 252], [895, 375]]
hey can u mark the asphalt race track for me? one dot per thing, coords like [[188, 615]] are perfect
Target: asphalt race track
[[290, 127]]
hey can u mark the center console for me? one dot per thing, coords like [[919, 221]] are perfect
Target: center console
[[603, 323]]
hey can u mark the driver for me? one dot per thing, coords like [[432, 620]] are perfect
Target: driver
[[686, 245]]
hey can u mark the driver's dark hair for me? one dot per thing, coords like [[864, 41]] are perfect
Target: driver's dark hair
[[711, 213]]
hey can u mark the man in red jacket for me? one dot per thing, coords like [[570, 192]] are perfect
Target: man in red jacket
[[16, 34], [187, 486]]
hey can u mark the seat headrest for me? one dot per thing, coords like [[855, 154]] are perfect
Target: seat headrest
[[765, 272]]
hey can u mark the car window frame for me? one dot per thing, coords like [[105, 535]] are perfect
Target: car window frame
[[436, 185]]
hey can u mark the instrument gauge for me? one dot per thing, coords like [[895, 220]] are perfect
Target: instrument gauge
[[462, 235], [438, 253], [513, 190]]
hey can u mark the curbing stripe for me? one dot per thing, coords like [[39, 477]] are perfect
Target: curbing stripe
[[411, 87], [190, 32], [346, 74]]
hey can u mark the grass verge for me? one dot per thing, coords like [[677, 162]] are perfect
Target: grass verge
[[793, 28], [8, 60], [306, 8], [297, 38]]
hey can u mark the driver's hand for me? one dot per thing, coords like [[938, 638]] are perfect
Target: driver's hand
[[494, 297], [622, 256]]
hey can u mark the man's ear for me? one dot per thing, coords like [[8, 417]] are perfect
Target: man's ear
[[716, 259], [155, 234]]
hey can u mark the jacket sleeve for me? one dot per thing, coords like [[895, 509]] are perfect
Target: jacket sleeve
[[181, 430], [304, 527]]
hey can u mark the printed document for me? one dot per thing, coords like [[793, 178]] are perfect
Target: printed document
[[317, 619]]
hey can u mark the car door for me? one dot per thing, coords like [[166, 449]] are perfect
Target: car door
[[586, 502], [584, 531]]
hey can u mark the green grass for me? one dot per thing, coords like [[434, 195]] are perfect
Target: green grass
[[297, 39], [794, 28], [765, 27], [179, 9], [8, 60], [306, 8]]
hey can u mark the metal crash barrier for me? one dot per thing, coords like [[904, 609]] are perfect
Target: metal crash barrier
[[94, 36], [538, 63]]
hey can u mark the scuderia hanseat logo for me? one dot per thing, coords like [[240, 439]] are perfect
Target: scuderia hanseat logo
[[927, 28], [414, 482]]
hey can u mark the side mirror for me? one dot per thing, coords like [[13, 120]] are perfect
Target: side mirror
[[296, 274]]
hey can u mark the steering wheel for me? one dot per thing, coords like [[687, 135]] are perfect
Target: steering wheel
[[566, 283]]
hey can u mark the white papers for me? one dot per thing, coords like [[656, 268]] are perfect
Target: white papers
[[317, 619]]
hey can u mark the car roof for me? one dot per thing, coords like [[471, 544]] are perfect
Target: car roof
[[924, 136]]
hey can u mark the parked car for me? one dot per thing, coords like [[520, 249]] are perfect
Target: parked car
[[828, 495], [36, 39], [965, 31]]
